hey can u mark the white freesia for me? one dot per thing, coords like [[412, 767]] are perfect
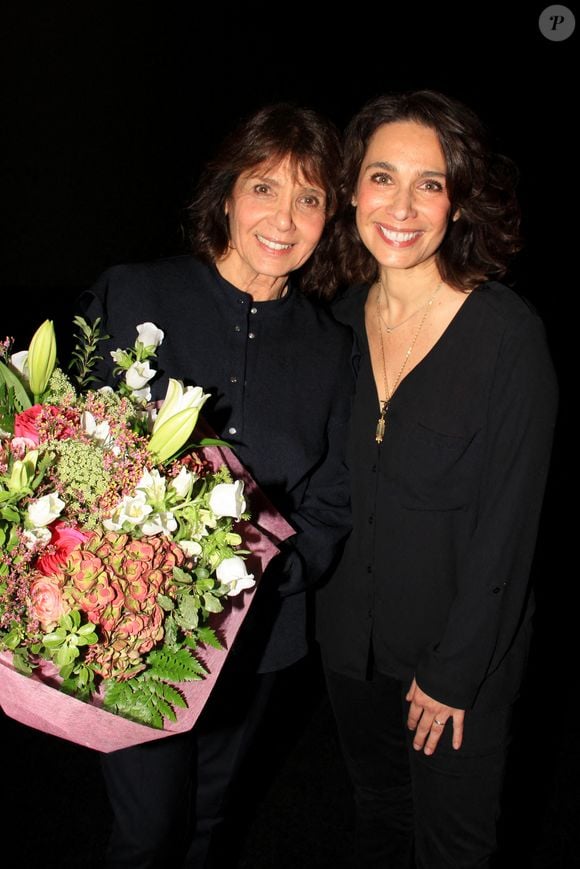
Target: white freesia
[[182, 483], [191, 548], [159, 523], [36, 538], [132, 509], [20, 362], [139, 374], [227, 499], [98, 431], [153, 484], [232, 571], [178, 398], [150, 335], [45, 510]]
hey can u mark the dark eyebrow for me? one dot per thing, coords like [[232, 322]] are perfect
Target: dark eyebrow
[[389, 167]]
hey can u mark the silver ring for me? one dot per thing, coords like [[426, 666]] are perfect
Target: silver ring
[[440, 723]]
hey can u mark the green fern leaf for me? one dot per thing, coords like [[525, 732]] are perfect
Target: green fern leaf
[[178, 666], [208, 637]]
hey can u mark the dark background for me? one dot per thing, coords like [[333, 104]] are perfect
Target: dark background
[[108, 114]]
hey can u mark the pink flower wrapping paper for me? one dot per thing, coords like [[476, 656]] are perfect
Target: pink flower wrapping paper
[[36, 701]]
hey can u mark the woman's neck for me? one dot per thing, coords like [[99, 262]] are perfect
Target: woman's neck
[[262, 288], [403, 290]]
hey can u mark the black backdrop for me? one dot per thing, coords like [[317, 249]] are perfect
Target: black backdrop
[[109, 111]]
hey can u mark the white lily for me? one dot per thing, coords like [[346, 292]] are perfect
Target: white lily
[[178, 398], [176, 419]]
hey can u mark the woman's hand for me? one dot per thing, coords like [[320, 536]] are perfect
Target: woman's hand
[[427, 717]]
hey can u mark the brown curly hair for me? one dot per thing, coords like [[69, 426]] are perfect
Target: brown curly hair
[[268, 136], [481, 184]]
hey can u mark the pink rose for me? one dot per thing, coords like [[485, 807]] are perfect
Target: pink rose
[[47, 602], [25, 424], [65, 539]]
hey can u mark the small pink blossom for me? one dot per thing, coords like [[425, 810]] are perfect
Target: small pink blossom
[[19, 446]]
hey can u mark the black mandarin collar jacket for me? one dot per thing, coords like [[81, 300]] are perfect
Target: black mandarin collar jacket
[[280, 377]]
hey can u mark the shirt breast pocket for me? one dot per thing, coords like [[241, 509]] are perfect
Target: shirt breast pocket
[[439, 471]]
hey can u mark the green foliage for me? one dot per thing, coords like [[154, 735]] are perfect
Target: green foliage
[[187, 615], [85, 356], [175, 666], [208, 637], [65, 641], [13, 397], [144, 699]]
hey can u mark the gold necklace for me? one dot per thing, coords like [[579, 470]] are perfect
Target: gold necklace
[[389, 329], [382, 420]]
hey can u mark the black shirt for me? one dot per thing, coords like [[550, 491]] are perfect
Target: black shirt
[[280, 377], [445, 511]]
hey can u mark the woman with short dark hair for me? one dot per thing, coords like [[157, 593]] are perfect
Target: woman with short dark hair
[[242, 319]]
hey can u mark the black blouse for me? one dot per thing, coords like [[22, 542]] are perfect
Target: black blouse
[[435, 574], [280, 377]]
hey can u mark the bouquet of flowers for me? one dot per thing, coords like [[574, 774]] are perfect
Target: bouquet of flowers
[[120, 546]]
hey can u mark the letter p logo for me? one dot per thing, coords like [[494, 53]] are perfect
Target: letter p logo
[[557, 23]]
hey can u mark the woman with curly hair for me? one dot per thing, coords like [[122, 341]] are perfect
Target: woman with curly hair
[[424, 627]]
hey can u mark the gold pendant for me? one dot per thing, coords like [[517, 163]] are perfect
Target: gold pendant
[[382, 423], [380, 432]]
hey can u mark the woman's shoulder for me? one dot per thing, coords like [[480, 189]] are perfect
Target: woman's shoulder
[[506, 304], [178, 267]]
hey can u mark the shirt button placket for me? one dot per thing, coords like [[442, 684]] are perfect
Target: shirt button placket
[[234, 378]]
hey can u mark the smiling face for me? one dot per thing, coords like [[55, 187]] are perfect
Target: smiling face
[[401, 196], [276, 218]]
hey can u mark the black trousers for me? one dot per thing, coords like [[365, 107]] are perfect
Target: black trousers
[[432, 812], [169, 796]]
